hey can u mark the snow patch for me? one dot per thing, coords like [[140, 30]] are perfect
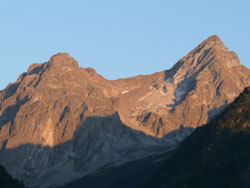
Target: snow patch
[[125, 92]]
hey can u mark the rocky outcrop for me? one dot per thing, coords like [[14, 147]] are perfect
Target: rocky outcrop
[[60, 122]]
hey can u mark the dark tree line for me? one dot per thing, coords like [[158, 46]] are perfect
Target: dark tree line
[[6, 180]]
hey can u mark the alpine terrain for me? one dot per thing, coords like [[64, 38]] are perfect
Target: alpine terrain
[[215, 155], [60, 122]]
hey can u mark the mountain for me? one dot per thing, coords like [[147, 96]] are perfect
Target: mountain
[[215, 155], [198, 87], [60, 122]]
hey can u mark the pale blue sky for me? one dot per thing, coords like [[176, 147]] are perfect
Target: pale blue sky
[[117, 38]]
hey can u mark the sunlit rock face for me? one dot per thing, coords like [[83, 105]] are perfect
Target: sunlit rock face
[[60, 122], [192, 92]]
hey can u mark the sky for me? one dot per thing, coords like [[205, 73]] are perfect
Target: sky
[[118, 38]]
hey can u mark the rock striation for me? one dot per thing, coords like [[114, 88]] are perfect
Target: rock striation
[[60, 122]]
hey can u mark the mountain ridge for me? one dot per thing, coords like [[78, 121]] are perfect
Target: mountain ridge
[[102, 121]]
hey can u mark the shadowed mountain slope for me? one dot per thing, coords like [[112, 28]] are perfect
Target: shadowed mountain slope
[[131, 174], [215, 155]]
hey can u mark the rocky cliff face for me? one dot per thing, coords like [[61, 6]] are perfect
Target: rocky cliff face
[[59, 122], [192, 92]]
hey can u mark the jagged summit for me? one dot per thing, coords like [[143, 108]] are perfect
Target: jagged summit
[[63, 60], [215, 40], [209, 54], [58, 63], [211, 42]]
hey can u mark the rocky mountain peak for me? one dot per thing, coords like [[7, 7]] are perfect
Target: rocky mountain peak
[[204, 82], [212, 42], [209, 54], [63, 61], [215, 48]]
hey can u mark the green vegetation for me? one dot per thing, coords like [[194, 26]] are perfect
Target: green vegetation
[[6, 181], [215, 155]]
